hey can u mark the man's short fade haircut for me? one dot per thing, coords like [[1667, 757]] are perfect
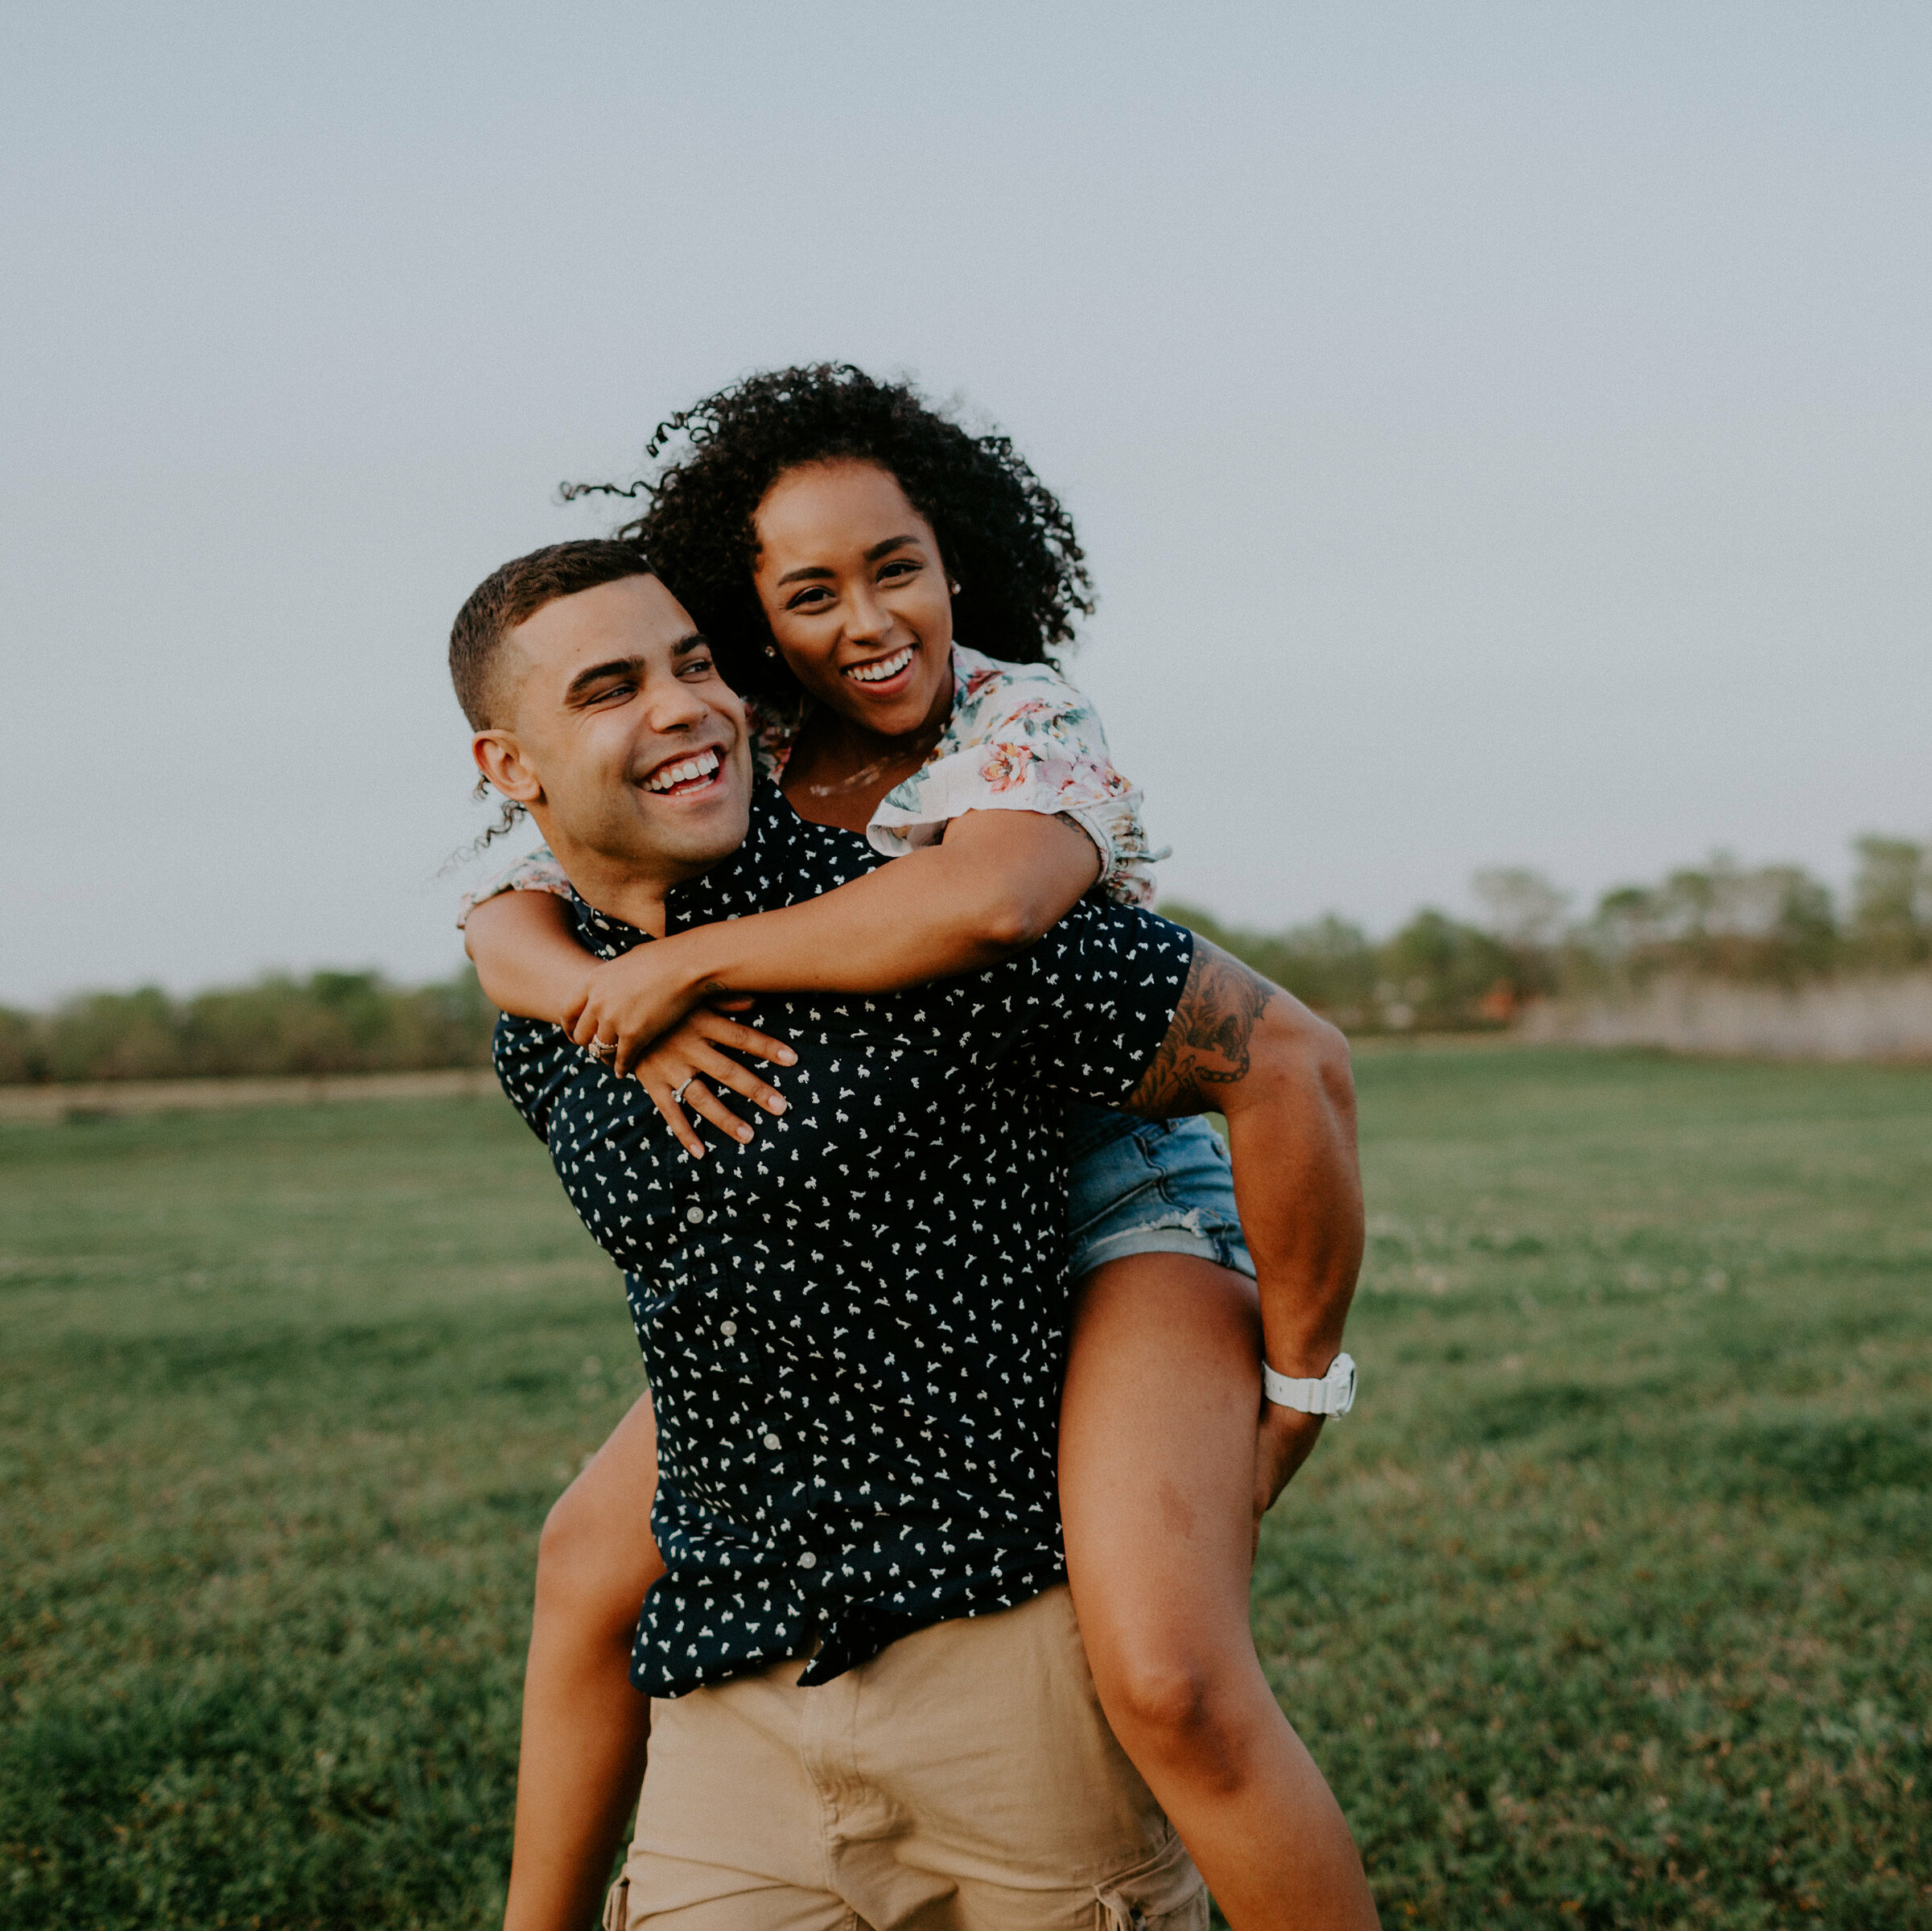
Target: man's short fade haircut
[[513, 595]]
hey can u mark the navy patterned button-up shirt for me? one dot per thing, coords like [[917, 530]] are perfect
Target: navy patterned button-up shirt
[[855, 1326]]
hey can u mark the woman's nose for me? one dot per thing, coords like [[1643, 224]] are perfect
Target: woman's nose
[[868, 617]]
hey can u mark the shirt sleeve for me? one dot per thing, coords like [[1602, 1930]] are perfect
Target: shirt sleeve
[[537, 872], [1092, 1000], [1024, 739], [535, 1061]]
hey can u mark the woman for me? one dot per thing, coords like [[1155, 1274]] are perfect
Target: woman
[[819, 529]]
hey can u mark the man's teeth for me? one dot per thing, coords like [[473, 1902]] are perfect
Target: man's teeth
[[881, 669], [666, 775]]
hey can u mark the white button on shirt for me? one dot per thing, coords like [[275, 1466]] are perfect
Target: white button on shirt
[[693, 1215]]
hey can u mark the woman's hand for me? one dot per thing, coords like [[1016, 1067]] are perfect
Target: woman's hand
[[1283, 1441], [633, 999], [687, 1063]]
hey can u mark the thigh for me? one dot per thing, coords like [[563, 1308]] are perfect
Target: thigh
[[597, 1543], [1157, 1440]]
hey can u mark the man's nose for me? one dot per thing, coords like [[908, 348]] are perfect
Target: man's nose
[[674, 706]]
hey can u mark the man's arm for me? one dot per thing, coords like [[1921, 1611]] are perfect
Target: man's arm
[[1243, 1047]]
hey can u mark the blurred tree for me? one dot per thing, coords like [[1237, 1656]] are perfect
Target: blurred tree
[[334, 1022], [1526, 918], [1436, 972], [22, 1058], [1892, 903], [1329, 964], [1525, 910]]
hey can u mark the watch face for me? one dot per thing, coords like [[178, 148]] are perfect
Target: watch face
[[1346, 1368]]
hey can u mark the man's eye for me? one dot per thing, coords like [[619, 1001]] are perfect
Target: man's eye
[[699, 667], [610, 691]]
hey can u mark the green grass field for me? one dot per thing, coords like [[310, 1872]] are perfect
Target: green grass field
[[1610, 1605]]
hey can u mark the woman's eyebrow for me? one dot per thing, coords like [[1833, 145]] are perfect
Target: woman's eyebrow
[[817, 572]]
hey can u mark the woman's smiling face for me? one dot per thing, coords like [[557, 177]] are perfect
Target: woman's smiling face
[[855, 590]]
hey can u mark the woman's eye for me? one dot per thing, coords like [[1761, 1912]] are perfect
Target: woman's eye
[[900, 569], [807, 600]]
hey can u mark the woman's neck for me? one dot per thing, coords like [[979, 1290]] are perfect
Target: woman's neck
[[837, 772]]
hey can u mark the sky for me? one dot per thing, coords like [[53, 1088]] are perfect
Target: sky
[[1499, 433]]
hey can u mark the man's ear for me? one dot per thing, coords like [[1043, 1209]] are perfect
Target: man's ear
[[501, 759]]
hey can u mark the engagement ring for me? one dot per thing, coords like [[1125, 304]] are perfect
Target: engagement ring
[[604, 1049], [678, 1092]]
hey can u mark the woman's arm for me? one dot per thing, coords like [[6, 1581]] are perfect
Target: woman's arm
[[528, 960], [998, 880], [1243, 1047]]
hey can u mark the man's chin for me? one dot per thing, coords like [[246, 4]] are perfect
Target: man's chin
[[696, 836]]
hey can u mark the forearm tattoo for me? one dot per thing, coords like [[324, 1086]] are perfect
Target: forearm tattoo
[[1207, 1044]]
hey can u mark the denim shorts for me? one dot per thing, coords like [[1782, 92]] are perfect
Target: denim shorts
[[1149, 1187]]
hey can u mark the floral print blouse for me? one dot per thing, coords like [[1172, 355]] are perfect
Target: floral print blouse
[[1020, 738]]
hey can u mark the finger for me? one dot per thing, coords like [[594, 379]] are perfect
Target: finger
[[721, 1072], [681, 1129], [583, 1023], [722, 1032], [738, 1002], [699, 1095]]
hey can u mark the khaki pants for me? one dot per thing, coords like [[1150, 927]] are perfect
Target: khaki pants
[[963, 1779]]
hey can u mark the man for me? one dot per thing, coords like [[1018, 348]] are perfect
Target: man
[[853, 1327]]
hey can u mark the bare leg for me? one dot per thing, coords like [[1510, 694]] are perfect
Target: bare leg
[[1157, 1441], [585, 1729]]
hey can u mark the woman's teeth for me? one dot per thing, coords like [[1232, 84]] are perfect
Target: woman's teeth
[[881, 667], [667, 776]]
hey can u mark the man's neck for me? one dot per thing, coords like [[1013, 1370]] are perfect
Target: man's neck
[[620, 888]]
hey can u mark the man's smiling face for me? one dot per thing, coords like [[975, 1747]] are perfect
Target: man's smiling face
[[627, 748]]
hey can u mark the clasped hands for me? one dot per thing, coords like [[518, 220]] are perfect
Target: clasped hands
[[648, 1016]]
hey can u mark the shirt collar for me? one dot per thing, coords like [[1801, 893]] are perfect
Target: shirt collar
[[771, 824]]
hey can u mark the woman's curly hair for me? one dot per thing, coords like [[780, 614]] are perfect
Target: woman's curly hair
[[1004, 536]]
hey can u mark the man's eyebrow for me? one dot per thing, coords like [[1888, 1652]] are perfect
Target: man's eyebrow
[[629, 667], [817, 572], [597, 673]]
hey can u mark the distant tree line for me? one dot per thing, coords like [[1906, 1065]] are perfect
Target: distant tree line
[[1774, 925], [329, 1022]]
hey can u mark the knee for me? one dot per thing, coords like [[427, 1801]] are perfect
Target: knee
[[1189, 1713], [566, 1549], [586, 1572]]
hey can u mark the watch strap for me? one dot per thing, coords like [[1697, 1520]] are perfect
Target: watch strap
[[1331, 1393]]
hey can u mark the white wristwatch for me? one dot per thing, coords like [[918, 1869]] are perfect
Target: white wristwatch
[[1334, 1394]]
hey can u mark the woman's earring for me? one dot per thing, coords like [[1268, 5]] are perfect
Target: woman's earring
[[954, 588], [771, 650]]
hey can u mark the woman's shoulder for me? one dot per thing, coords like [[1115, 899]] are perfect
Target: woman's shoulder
[[990, 690]]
